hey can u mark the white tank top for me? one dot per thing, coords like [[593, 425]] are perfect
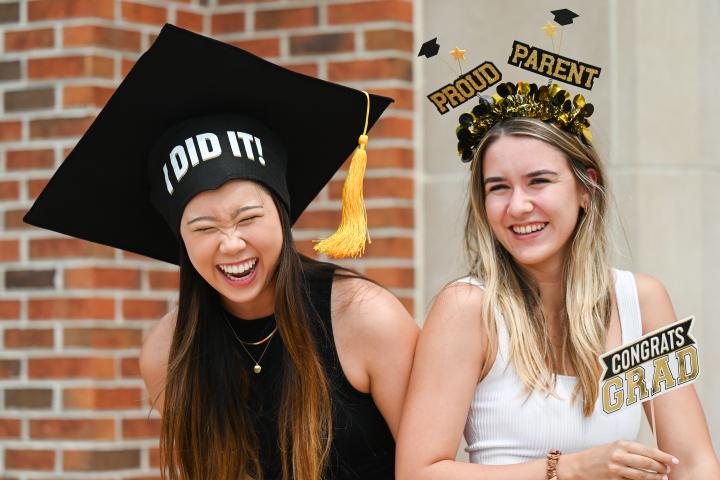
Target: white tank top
[[505, 426]]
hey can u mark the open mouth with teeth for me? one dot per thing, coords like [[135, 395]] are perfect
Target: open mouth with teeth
[[238, 271], [528, 229]]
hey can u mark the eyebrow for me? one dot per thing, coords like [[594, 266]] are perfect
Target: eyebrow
[[234, 215], [536, 173]]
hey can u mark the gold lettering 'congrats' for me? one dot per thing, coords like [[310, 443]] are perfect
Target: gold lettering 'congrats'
[[656, 363]]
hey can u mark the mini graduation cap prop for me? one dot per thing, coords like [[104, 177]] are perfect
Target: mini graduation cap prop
[[192, 114], [564, 16], [429, 48]]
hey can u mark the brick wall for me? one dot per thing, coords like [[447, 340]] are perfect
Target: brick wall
[[73, 314]]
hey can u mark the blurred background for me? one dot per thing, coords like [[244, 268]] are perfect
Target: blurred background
[[73, 314]]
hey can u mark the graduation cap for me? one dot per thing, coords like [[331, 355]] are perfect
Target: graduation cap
[[564, 16], [429, 48], [192, 114]]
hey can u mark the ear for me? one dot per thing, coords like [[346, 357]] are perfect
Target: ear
[[585, 197]]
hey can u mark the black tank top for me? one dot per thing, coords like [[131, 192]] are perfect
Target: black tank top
[[363, 447]]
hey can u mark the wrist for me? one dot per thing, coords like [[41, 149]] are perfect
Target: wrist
[[568, 467]]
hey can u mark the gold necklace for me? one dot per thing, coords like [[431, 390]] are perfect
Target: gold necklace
[[257, 368]]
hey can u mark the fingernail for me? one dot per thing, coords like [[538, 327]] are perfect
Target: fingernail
[[675, 461], [665, 477], [668, 469]]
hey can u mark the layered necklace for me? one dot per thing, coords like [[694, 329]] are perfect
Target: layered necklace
[[257, 368]]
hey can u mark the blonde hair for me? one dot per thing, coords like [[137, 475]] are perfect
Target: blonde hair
[[586, 274]]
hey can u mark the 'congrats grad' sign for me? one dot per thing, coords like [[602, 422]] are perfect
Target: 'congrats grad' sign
[[656, 363]]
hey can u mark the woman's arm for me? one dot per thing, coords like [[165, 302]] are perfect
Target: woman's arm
[[443, 381], [375, 338], [679, 419], [154, 358]]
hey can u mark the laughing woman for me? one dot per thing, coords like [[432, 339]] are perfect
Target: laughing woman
[[273, 365], [509, 354]]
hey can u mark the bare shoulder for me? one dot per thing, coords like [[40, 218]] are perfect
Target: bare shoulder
[[154, 356], [370, 309], [656, 308], [459, 301]]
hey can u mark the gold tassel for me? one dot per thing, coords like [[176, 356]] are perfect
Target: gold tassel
[[349, 239]]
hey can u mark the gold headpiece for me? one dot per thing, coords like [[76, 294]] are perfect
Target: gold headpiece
[[549, 103]]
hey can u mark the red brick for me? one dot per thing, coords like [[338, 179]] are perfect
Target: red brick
[[56, 9], [262, 47], [35, 186], [126, 65], [13, 220], [103, 338], [29, 279], [70, 66], [29, 159], [71, 308], [98, 36], [9, 250], [189, 20], [10, 131], [100, 460], [378, 188], [310, 69], [381, 68], [144, 309], [96, 277], [389, 39], [142, 13], [399, 247], [286, 18], [403, 97], [10, 70], [59, 127], [377, 11], [29, 459], [28, 398], [67, 248], [389, 158], [140, 428], [154, 457], [9, 368], [97, 368], [227, 22], [130, 367], [393, 277], [29, 338], [9, 190], [164, 280], [393, 127], [18, 40], [322, 43], [102, 398], [72, 429], [10, 12], [9, 428], [377, 217], [9, 309], [29, 99], [86, 95]]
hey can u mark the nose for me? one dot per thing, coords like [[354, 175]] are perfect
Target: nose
[[520, 203], [231, 243]]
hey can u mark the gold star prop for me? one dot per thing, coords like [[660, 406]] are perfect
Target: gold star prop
[[549, 29], [457, 53]]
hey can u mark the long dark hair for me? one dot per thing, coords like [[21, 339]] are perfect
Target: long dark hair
[[207, 427]]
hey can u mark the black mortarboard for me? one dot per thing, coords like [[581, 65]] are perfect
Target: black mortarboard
[[564, 16], [429, 48], [192, 114]]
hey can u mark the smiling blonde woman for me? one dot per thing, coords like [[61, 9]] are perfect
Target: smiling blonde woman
[[509, 354]]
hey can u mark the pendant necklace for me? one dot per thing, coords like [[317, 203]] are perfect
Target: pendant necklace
[[257, 368]]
